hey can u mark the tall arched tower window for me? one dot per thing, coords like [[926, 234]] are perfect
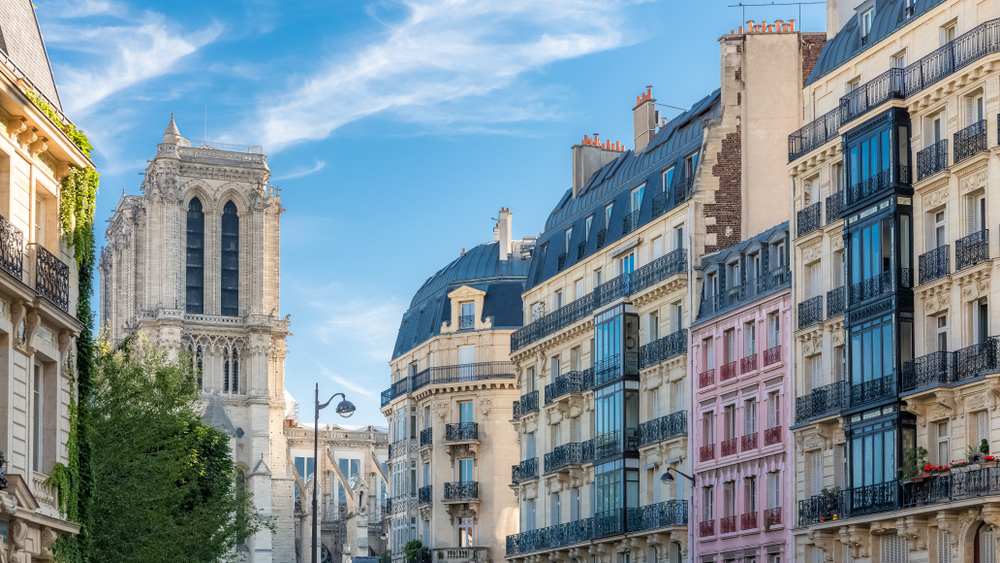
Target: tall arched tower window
[[230, 261], [195, 274]]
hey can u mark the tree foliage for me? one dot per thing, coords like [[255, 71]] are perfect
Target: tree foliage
[[164, 483]]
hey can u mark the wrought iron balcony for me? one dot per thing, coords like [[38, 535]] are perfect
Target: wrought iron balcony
[[663, 349], [581, 249], [849, 503], [663, 428], [970, 141], [933, 159], [466, 322], [666, 266], [835, 302], [610, 443], [954, 487], [730, 447], [528, 403], [11, 249], [772, 355], [426, 437], [561, 261], [449, 374], [878, 183], [461, 432], [749, 442], [772, 436], [772, 516], [566, 383], [517, 410], [424, 495], [808, 219], [529, 469], [823, 401], [706, 528], [602, 236], [706, 378], [608, 369], [748, 521], [728, 371], [461, 491], [659, 515], [748, 364], [51, 278], [682, 189], [811, 312], [816, 134], [872, 287], [872, 391], [706, 452], [887, 86], [972, 249], [386, 397], [566, 455], [976, 360], [930, 370], [727, 525], [630, 222], [834, 203], [935, 264]]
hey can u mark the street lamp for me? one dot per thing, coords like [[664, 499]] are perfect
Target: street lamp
[[668, 478], [345, 409]]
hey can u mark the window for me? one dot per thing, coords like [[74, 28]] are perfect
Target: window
[[581, 289], [773, 409], [654, 326], [529, 514], [709, 359], [773, 330], [753, 272], [729, 423], [838, 363], [899, 60], [837, 177], [656, 249], [942, 333], [895, 549], [871, 250], [465, 413], [466, 361], [637, 198], [554, 509], [982, 428], [626, 264], [943, 444], [574, 361], [195, 266], [574, 504], [690, 165], [973, 109], [773, 489], [871, 350], [729, 345], [529, 380], [557, 300], [975, 213], [944, 546], [465, 470], [598, 277], [468, 318], [750, 494], [815, 366], [750, 416], [708, 428], [778, 258], [729, 501], [529, 445], [815, 473], [586, 227], [815, 274], [678, 237], [668, 178], [980, 321], [37, 402], [866, 22], [947, 33], [676, 316], [230, 281], [569, 238], [537, 310], [708, 502], [554, 367], [230, 370], [607, 214], [749, 339], [940, 237]]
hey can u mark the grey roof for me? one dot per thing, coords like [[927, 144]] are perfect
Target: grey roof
[[890, 15], [479, 268], [614, 182], [22, 44], [216, 417]]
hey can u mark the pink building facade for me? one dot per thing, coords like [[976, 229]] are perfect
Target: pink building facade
[[741, 445]]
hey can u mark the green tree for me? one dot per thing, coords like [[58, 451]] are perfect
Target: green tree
[[164, 483]]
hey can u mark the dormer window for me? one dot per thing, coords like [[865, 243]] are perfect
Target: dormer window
[[468, 318], [607, 214], [668, 178], [586, 228], [569, 237], [866, 24]]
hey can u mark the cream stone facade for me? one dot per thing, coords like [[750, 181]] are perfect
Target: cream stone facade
[[39, 292], [450, 405], [194, 264]]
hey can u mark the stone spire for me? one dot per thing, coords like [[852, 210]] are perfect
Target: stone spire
[[172, 136]]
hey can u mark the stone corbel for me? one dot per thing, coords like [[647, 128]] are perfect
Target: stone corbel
[[914, 531], [917, 408], [48, 536], [62, 170], [25, 138], [425, 512], [18, 311], [38, 147], [33, 320], [823, 539], [946, 398], [857, 539], [16, 125], [993, 384], [991, 515]]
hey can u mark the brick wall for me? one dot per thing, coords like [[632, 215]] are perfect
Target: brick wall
[[812, 46], [728, 207]]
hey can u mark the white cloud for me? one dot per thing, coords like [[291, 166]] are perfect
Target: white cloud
[[365, 326], [350, 385], [441, 51], [320, 164]]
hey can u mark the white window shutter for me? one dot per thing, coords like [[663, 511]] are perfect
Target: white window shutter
[[987, 547], [982, 428], [816, 367], [895, 550], [975, 322], [970, 215], [970, 111], [816, 462], [944, 546]]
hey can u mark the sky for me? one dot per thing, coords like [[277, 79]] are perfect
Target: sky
[[396, 130]]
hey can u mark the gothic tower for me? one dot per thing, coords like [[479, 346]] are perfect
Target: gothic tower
[[193, 263]]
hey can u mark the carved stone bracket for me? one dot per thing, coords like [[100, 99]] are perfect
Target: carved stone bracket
[[857, 539]]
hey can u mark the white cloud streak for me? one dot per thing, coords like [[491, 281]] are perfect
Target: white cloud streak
[[365, 326], [336, 378], [442, 51], [320, 164]]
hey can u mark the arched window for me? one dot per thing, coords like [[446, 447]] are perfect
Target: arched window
[[196, 363], [230, 261], [195, 274], [230, 370]]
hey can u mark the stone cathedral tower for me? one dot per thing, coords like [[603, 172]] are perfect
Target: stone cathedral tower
[[194, 264]]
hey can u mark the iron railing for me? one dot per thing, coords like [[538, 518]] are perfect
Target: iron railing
[[630, 222], [528, 403], [749, 442], [772, 355], [448, 374], [706, 378], [971, 484], [581, 249], [659, 515], [461, 432], [748, 521], [386, 397], [515, 475], [947, 368], [737, 295], [976, 360], [516, 407], [808, 219], [887, 86], [872, 287], [934, 264], [706, 452], [933, 159], [772, 435], [727, 525], [873, 390], [529, 469], [11, 249], [566, 455], [834, 203], [972, 250], [566, 383], [461, 491], [666, 266], [970, 141], [426, 437], [835, 302], [672, 197], [663, 349], [730, 447], [748, 363], [602, 236], [877, 183], [466, 322], [823, 401], [706, 528], [424, 495], [663, 428], [561, 262], [811, 311], [816, 134], [927, 371], [51, 278], [772, 516], [728, 371], [848, 503]]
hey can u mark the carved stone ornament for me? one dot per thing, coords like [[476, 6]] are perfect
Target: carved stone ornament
[[973, 182], [48, 537], [484, 407], [935, 198], [442, 409], [812, 253], [857, 539]]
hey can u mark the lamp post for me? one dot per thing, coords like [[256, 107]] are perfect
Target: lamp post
[[668, 478], [345, 409]]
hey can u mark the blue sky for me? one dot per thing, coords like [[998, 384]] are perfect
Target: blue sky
[[396, 129]]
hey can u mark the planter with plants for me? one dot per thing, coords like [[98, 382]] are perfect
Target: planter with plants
[[989, 461], [830, 497], [914, 459], [934, 470]]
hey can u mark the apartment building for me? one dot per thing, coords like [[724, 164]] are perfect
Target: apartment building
[[449, 406], [39, 292], [740, 349], [897, 144], [602, 366]]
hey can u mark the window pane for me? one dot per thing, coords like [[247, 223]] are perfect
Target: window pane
[[887, 349]]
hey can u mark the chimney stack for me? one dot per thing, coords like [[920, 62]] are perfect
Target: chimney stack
[[644, 118], [506, 221], [589, 156]]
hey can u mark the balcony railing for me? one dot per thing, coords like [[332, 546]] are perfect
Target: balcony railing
[[11, 249], [581, 249], [887, 86], [728, 371], [877, 184], [561, 261], [630, 222], [946, 368], [567, 455], [815, 134], [663, 428], [461, 491], [663, 349], [461, 432], [466, 322], [823, 401], [927, 371], [809, 219], [973, 484], [670, 264], [746, 291], [424, 495], [772, 355], [730, 447], [566, 383], [608, 369], [602, 236], [748, 521], [935, 264], [706, 453], [772, 517], [748, 364], [811, 311], [835, 302], [515, 475], [834, 203], [972, 250], [529, 469], [51, 278], [448, 374], [933, 159], [528, 403], [873, 390], [610, 443], [727, 525], [970, 141], [872, 287], [749, 441], [849, 503], [659, 515], [706, 378], [706, 528], [426, 437], [978, 359], [772, 436]]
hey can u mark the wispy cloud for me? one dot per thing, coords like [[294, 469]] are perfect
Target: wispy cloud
[[350, 385], [365, 326], [441, 51], [320, 164]]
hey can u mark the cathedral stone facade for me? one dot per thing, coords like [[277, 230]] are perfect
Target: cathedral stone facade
[[193, 263]]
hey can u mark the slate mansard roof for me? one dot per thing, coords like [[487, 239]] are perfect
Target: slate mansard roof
[[614, 182], [22, 46], [890, 15], [479, 268]]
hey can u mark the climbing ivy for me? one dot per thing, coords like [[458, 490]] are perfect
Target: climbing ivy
[[77, 206], [74, 134]]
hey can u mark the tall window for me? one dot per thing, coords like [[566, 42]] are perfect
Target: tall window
[[465, 533], [36, 431], [230, 261], [943, 444], [230, 370], [195, 268]]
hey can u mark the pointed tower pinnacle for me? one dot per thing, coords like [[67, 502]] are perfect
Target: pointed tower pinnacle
[[172, 136]]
